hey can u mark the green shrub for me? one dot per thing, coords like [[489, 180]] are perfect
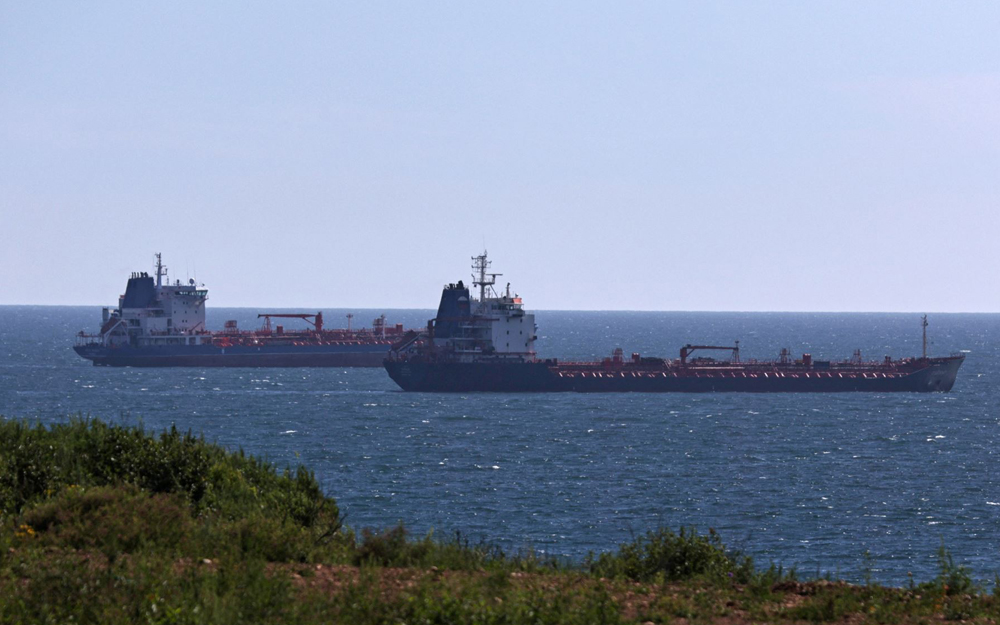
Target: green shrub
[[388, 548], [666, 556], [273, 540], [952, 579], [69, 587], [827, 606], [112, 520], [393, 547], [467, 600], [37, 462]]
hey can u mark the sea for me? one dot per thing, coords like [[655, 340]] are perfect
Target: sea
[[851, 485]]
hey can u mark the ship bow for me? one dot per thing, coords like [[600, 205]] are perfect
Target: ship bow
[[940, 376]]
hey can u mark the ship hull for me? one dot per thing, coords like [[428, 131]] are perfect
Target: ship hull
[[932, 375], [453, 377], [357, 355]]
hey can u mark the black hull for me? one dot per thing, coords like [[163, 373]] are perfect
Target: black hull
[[938, 375], [103, 357]]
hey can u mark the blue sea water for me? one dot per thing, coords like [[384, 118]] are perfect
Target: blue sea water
[[810, 481]]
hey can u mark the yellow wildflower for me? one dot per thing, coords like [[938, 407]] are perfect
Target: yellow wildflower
[[25, 530]]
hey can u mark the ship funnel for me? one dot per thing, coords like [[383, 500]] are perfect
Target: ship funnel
[[454, 308]]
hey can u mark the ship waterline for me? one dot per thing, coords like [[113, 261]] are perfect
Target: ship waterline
[[930, 375]]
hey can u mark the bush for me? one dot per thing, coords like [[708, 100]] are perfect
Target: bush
[[38, 462], [69, 587], [112, 520], [468, 599], [664, 555], [952, 579], [388, 548], [393, 547]]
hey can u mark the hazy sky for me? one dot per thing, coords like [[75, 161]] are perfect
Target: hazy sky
[[616, 155]]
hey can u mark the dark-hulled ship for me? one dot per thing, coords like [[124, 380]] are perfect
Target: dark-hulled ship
[[159, 324], [488, 345]]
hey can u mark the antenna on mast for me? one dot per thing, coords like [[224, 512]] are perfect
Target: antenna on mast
[[923, 323], [480, 264], [160, 269]]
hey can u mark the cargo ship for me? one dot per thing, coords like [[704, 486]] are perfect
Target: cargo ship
[[487, 344], [162, 324]]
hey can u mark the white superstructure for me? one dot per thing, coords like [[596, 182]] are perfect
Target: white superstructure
[[512, 329], [495, 325], [157, 313]]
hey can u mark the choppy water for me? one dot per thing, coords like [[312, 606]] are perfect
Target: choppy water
[[805, 480]]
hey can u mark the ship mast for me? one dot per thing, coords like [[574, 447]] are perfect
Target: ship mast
[[923, 323], [160, 270], [480, 265]]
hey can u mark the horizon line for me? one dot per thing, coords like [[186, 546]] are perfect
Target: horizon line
[[594, 310]]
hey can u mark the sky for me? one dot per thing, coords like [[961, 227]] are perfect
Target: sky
[[790, 156]]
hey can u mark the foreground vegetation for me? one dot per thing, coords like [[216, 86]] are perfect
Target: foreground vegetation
[[106, 524]]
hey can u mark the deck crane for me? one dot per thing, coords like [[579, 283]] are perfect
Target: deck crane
[[688, 349], [316, 320]]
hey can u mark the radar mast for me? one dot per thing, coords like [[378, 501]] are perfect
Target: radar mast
[[160, 270], [923, 322], [480, 264]]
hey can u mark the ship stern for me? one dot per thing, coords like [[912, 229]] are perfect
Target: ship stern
[[405, 375], [91, 351]]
